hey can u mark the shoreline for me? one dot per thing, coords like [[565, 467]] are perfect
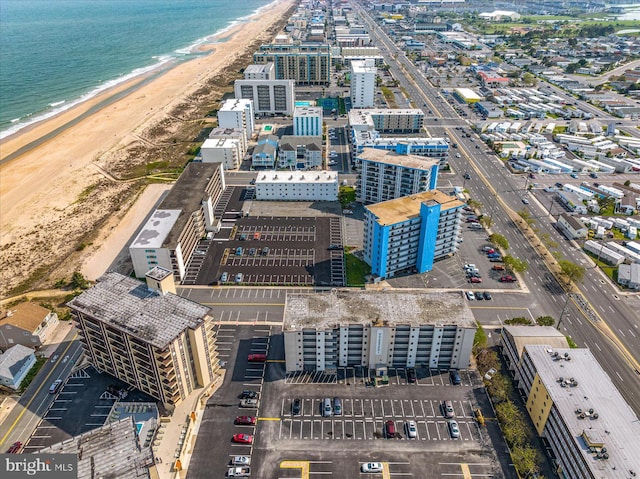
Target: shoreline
[[17, 144], [201, 45], [60, 179]]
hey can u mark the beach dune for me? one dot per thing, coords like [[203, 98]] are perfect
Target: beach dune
[[55, 184]]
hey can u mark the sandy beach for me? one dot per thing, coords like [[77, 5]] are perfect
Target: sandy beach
[[69, 185]]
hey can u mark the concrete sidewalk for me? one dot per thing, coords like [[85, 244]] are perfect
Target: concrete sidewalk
[[177, 434]]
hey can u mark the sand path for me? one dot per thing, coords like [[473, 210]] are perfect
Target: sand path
[[40, 188]]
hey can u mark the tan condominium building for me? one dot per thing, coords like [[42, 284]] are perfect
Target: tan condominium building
[[146, 335], [377, 329], [170, 236]]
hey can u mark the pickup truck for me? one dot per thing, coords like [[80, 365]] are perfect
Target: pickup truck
[[239, 472], [241, 460]]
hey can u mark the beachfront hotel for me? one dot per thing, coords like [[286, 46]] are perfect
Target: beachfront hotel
[[404, 145], [170, 236], [146, 335], [377, 330], [386, 175], [270, 96], [307, 64], [410, 233], [237, 113]]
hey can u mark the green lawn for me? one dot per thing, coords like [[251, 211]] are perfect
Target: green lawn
[[356, 270]]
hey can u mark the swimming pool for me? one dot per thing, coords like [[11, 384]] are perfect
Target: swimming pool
[[139, 426], [303, 103]]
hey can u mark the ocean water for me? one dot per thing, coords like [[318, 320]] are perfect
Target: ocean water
[[57, 53]]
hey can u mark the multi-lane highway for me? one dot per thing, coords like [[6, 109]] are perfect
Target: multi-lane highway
[[608, 324]]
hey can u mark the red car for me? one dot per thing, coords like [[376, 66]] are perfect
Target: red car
[[257, 358], [508, 279], [490, 251], [246, 420], [475, 279], [15, 448], [390, 429], [243, 438]]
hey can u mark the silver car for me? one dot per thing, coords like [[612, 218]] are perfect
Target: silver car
[[454, 430], [412, 430]]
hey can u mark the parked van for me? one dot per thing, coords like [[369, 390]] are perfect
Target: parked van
[[326, 407], [475, 226], [337, 406]]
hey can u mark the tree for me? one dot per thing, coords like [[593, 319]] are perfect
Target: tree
[[525, 460], [515, 264], [499, 241], [529, 79], [476, 205], [573, 272], [526, 217], [486, 221], [519, 320], [346, 195], [78, 281], [545, 321]]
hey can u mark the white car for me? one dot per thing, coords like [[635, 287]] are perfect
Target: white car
[[470, 296], [470, 266], [412, 430], [371, 467]]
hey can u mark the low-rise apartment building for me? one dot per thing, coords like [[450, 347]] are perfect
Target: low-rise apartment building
[[377, 330], [383, 120], [297, 186], [227, 151], [590, 429], [410, 233], [386, 175], [265, 153], [146, 335], [300, 152]]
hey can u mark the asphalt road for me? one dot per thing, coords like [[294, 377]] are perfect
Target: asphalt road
[[622, 317], [36, 400]]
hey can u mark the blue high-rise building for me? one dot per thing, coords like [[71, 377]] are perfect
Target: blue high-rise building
[[411, 232], [386, 175]]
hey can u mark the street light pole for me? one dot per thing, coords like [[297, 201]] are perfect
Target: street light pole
[[564, 308]]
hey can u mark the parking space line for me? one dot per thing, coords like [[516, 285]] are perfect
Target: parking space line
[[466, 473]]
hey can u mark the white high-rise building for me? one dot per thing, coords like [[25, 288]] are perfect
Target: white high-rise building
[[307, 121], [237, 113], [363, 82]]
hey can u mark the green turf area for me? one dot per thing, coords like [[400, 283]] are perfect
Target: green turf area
[[356, 270]]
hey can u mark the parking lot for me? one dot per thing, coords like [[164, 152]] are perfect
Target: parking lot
[[288, 446], [81, 404], [268, 250], [363, 419]]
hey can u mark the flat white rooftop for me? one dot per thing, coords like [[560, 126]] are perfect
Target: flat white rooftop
[[218, 143], [307, 111], [156, 229], [615, 425]]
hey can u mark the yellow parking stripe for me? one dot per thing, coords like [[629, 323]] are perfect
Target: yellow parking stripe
[[275, 360], [268, 419], [303, 465], [466, 473], [385, 471]]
